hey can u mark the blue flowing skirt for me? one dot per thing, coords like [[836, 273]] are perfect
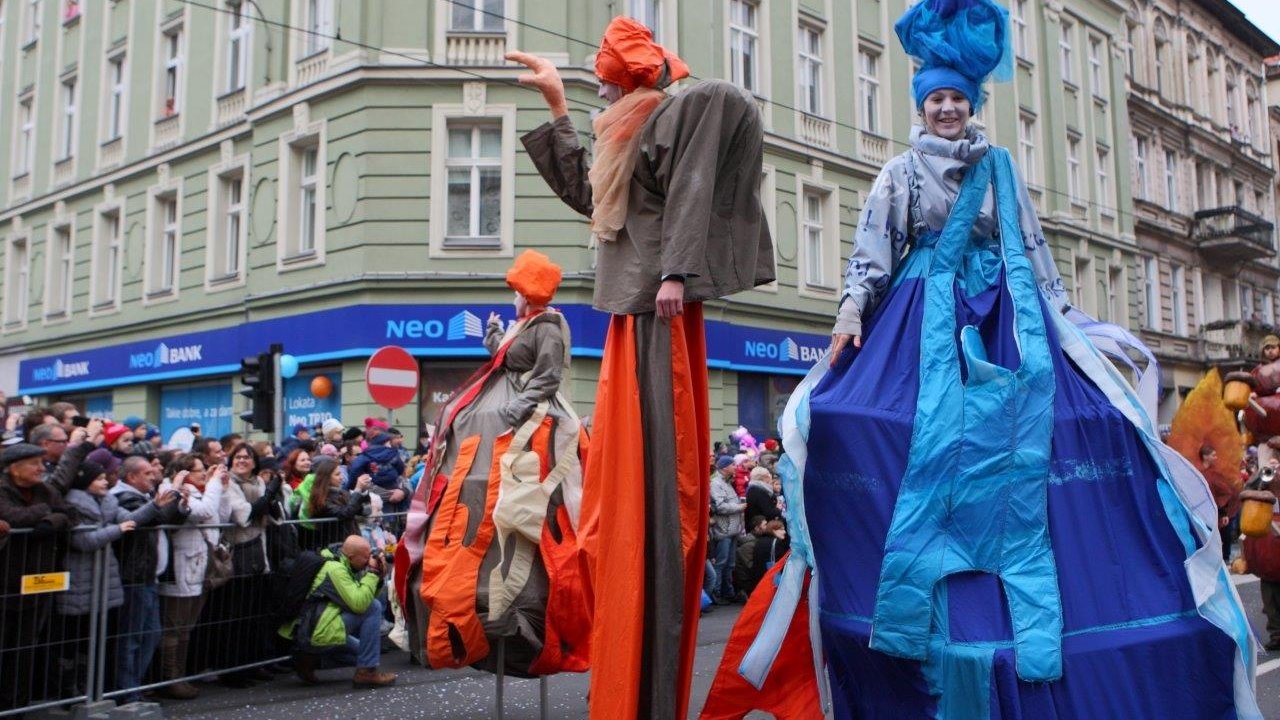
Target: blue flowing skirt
[[1133, 645]]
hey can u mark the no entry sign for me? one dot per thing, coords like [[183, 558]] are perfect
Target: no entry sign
[[392, 377]]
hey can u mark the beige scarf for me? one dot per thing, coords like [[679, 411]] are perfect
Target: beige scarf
[[617, 137]]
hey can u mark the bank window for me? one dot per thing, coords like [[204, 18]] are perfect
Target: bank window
[[107, 255], [474, 167], [476, 16], [744, 45], [17, 284], [61, 266]]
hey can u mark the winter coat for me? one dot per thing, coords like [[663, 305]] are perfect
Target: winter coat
[[345, 506], [100, 519], [741, 476], [185, 575], [761, 500], [43, 551], [61, 474], [144, 554], [726, 509], [251, 503], [356, 591], [387, 458]]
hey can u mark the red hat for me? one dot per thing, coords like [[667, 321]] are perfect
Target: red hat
[[629, 58], [111, 432], [535, 277], [373, 422]]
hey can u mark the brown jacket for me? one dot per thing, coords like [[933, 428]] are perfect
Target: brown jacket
[[694, 207], [43, 509]]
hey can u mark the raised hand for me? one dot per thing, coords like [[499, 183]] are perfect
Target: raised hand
[[838, 342], [545, 77]]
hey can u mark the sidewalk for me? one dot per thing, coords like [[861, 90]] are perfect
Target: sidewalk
[[439, 694]]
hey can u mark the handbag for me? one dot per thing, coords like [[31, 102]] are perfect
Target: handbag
[[249, 558], [219, 569]]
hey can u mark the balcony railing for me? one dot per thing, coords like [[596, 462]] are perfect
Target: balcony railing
[[873, 148], [815, 130], [464, 48], [1234, 342], [1232, 234]]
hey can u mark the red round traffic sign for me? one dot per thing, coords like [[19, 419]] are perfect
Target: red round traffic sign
[[392, 377]]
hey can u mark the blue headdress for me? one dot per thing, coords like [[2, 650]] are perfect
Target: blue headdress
[[958, 43]]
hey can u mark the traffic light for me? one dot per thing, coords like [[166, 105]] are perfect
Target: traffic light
[[258, 373]]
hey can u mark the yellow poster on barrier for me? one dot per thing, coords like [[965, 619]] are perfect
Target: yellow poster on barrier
[[45, 583]]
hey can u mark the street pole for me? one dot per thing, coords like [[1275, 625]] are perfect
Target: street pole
[[277, 404]]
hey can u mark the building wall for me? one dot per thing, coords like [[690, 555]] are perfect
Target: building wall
[[377, 114]]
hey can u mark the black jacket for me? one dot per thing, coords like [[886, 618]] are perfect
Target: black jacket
[[137, 553], [43, 509]]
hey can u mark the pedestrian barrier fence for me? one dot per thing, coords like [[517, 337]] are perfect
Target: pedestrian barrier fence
[[78, 625]]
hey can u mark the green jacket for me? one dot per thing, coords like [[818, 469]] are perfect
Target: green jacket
[[347, 590]]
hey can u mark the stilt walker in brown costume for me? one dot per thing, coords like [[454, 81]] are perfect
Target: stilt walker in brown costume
[[673, 197]]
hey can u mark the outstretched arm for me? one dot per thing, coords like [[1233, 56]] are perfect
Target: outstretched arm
[[545, 78], [553, 147]]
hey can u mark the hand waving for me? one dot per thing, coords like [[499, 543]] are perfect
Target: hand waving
[[545, 77]]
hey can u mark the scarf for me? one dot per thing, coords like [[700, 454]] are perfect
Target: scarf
[[617, 132]]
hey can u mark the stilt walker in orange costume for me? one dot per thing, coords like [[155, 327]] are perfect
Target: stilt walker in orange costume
[[673, 197]]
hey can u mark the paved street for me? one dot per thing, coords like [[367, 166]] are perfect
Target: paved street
[[468, 694]]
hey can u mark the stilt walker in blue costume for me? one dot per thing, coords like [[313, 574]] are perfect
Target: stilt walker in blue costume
[[991, 526]]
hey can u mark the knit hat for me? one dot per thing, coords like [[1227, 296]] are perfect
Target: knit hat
[[723, 462], [19, 451], [331, 424], [535, 277], [373, 422], [111, 432], [152, 432], [352, 433], [104, 458], [1271, 340], [629, 58], [958, 43], [88, 472], [300, 427], [133, 422], [329, 449]]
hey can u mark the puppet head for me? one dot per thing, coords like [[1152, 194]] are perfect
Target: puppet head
[[629, 58]]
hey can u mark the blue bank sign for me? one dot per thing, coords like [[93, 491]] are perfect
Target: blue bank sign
[[358, 330]]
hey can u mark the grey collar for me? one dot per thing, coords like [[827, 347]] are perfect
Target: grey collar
[[968, 150]]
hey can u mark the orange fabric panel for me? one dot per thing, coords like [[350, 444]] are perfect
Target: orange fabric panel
[[791, 690], [567, 633], [693, 484], [612, 528], [542, 443], [450, 570]]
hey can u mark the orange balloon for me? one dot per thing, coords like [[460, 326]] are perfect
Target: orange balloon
[[321, 386]]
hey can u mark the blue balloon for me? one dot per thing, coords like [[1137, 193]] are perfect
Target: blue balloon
[[288, 366]]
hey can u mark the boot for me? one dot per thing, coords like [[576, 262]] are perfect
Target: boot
[[180, 691], [371, 677], [304, 665]]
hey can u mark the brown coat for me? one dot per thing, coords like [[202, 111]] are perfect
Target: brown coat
[[694, 207], [43, 509]]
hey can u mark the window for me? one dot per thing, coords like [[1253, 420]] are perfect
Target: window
[[813, 235], [1151, 291], [1104, 181], [1140, 166], [1204, 185], [164, 255], [1238, 186], [319, 25], [1080, 281], [1179, 292], [237, 45], [1116, 310], [647, 13], [1233, 121], [33, 21], [1075, 188], [1095, 66], [1268, 308], [1021, 40], [475, 15], [17, 281], [67, 141], [117, 98], [107, 254], [308, 208], [25, 155], [1246, 302], [1171, 180], [172, 80], [474, 167], [1250, 126], [70, 10], [226, 236], [744, 45], [1064, 46], [869, 90], [1162, 62], [809, 40], [1131, 39], [61, 264], [1027, 147]]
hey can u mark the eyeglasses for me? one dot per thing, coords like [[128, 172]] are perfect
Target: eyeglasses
[[63, 441]]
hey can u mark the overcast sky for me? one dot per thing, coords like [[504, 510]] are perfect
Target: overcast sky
[[1263, 13]]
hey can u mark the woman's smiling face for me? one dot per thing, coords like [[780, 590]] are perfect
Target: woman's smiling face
[[946, 113]]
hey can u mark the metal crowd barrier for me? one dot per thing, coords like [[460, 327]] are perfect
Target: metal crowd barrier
[[50, 659]]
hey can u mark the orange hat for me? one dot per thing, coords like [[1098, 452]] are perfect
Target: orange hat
[[629, 58], [535, 277]]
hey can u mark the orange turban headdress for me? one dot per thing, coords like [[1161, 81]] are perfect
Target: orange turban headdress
[[629, 58], [535, 277]]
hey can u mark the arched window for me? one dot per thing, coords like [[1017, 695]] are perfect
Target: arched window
[[1213, 81], [1251, 123], [1233, 119], [1162, 58], [1194, 63]]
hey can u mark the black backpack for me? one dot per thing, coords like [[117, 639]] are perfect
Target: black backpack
[[297, 586]]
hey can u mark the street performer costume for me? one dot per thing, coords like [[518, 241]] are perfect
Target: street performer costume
[[992, 526], [490, 552], [673, 194]]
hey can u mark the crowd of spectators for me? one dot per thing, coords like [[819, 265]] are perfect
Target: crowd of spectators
[[747, 529], [188, 544]]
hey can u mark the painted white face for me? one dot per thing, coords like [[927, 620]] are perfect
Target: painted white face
[[946, 113], [610, 92], [522, 305]]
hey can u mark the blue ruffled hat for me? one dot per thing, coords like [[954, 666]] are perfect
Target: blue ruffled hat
[[958, 43]]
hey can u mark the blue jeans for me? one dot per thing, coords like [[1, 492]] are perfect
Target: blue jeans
[[139, 630], [364, 637], [723, 559]]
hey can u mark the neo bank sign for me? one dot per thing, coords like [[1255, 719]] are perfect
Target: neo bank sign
[[59, 370], [783, 351], [164, 355], [461, 326]]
